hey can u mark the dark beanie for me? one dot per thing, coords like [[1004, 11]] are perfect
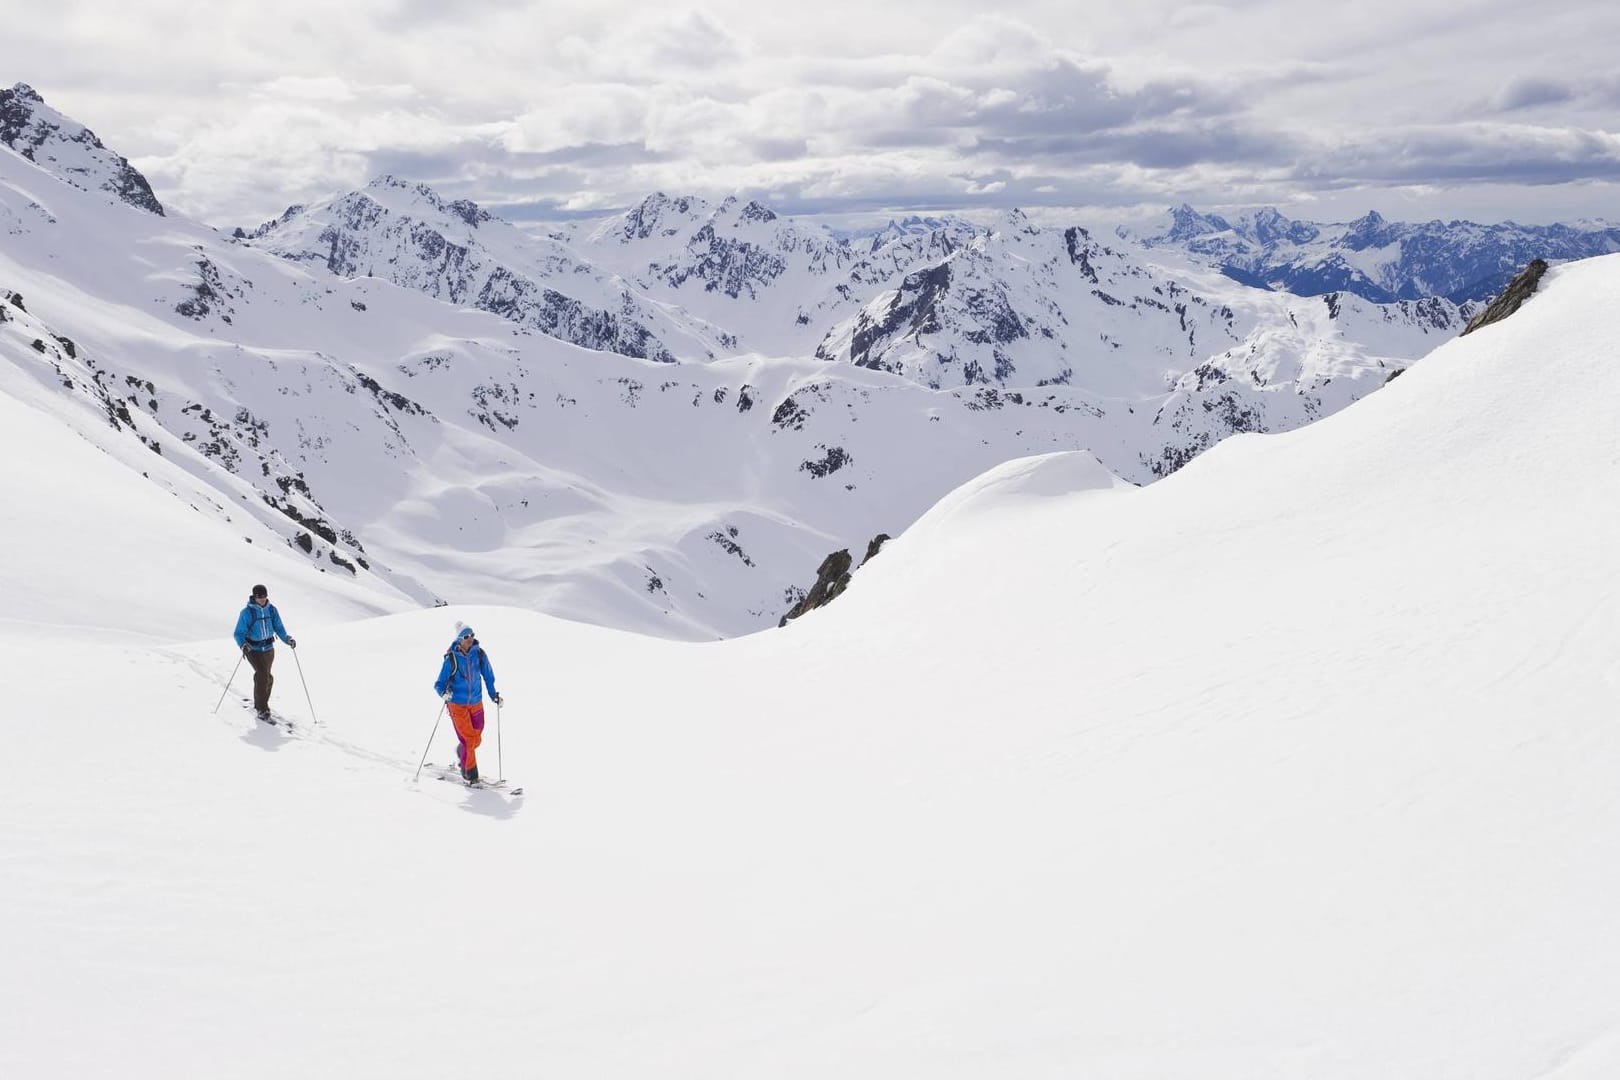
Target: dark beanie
[[260, 590]]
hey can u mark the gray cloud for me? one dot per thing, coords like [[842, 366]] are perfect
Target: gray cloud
[[1530, 92], [1468, 155], [561, 106]]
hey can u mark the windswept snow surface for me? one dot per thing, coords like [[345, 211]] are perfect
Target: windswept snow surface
[[1300, 763]]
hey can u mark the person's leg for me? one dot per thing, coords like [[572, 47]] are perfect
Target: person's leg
[[469, 721], [262, 679], [475, 715]]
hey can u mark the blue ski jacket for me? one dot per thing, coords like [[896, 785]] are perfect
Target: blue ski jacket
[[258, 627], [461, 674]]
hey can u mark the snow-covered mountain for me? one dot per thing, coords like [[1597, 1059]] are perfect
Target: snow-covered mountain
[[1379, 260], [445, 452], [664, 419], [871, 239], [69, 150], [737, 264], [407, 234], [1300, 763]]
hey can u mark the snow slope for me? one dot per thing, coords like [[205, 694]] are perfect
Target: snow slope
[[1300, 762]]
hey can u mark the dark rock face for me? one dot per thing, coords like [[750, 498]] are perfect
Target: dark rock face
[[366, 239], [521, 300], [725, 265], [997, 322], [875, 546], [25, 130], [912, 311], [1513, 297], [835, 458], [832, 578], [1081, 249], [210, 295]]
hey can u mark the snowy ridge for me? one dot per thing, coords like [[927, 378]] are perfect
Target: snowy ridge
[[408, 234], [69, 150]]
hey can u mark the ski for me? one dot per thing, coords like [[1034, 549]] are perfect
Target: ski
[[273, 720], [452, 774]]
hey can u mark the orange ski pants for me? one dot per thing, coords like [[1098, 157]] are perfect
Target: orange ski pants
[[469, 721]]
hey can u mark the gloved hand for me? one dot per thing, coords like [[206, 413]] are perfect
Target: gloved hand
[[292, 643], [246, 650], [446, 697], [498, 699]]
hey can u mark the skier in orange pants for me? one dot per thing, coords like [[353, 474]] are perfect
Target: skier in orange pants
[[462, 678]]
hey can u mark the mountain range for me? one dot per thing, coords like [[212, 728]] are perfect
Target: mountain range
[[662, 419], [1378, 260]]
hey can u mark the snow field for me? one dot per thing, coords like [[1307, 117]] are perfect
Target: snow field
[[1298, 763]]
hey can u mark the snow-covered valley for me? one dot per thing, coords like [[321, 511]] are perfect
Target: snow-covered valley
[[660, 421]]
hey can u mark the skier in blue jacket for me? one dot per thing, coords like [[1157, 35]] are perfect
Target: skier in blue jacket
[[256, 631], [462, 677]]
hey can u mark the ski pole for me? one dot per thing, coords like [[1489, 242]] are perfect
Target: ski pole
[[437, 717], [500, 769], [228, 682], [300, 664]]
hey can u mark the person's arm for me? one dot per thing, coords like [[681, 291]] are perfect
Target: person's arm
[[242, 622], [489, 675], [281, 631], [442, 683]]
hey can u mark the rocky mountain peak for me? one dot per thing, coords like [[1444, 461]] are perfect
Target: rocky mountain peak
[[755, 212], [1370, 230], [656, 214], [1270, 226], [273, 224], [1187, 224], [68, 150], [464, 210]]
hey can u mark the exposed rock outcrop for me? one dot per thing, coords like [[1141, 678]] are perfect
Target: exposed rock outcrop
[[832, 578], [1513, 297]]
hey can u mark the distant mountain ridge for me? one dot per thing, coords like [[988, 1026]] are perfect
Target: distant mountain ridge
[[1379, 260], [408, 234]]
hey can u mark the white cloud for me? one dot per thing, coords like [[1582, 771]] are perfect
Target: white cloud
[[579, 114], [236, 108]]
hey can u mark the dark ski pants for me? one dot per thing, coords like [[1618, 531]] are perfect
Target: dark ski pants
[[262, 679]]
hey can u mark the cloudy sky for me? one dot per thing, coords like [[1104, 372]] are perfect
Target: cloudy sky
[[1485, 109]]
